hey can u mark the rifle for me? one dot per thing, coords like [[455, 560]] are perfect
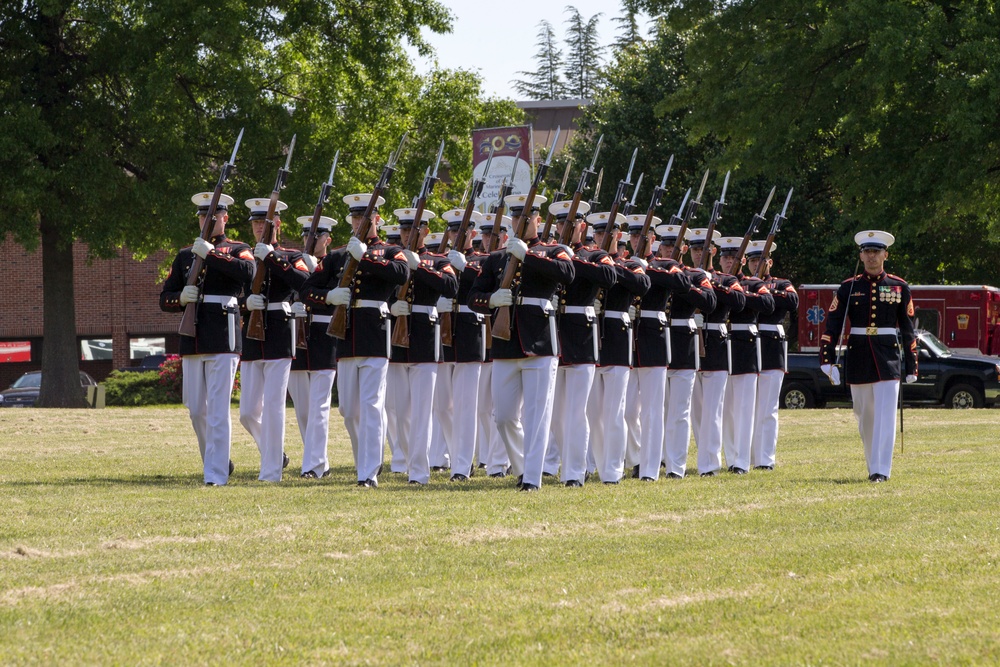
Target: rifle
[[189, 319], [338, 322], [619, 197], [501, 326], [630, 206], [255, 329], [597, 189], [567, 231], [401, 329], [658, 192], [303, 324], [675, 253], [706, 256], [769, 241], [754, 224], [461, 236], [559, 194]]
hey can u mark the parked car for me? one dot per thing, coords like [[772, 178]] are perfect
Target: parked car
[[24, 392], [151, 362], [945, 378]]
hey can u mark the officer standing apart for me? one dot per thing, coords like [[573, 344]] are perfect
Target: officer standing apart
[[363, 353], [524, 367], [209, 359], [310, 382], [880, 309]]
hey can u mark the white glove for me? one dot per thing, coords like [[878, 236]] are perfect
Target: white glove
[[568, 251], [339, 296], [202, 247], [256, 302], [262, 250], [910, 379], [832, 372], [356, 248], [412, 259], [310, 262], [631, 312], [699, 320], [189, 294], [445, 305], [643, 263], [597, 307], [298, 309], [400, 309], [502, 297], [457, 260], [517, 247]]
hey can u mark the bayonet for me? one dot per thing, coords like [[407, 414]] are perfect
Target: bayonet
[[725, 186], [680, 211], [635, 192], [701, 190], [465, 195], [336, 156], [787, 199], [552, 148], [232, 158], [631, 165], [666, 172], [437, 162], [768, 202], [597, 187], [593, 162], [562, 186], [291, 149]]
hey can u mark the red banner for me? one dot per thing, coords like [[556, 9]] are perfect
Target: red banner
[[15, 351], [508, 143]]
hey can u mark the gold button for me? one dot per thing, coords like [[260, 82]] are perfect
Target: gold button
[[357, 291]]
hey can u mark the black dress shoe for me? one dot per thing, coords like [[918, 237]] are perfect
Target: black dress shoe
[[498, 475], [710, 473], [438, 468], [413, 481], [284, 460], [737, 471], [209, 483], [635, 471], [231, 467], [763, 467], [647, 479], [364, 483], [309, 474], [574, 483], [482, 465], [326, 473], [548, 474], [610, 482], [520, 479], [674, 475], [877, 478], [527, 487], [459, 477]]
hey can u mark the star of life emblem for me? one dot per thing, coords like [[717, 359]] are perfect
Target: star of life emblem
[[816, 315]]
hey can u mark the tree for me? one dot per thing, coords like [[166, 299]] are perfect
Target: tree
[[583, 61], [884, 113], [546, 82], [628, 25], [115, 112]]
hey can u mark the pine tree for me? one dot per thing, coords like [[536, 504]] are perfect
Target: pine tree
[[584, 58], [628, 25], [546, 82]]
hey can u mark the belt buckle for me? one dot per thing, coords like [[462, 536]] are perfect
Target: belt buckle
[[871, 331]]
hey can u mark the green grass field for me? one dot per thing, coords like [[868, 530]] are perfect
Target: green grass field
[[113, 552]]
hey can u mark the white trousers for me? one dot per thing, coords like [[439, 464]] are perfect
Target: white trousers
[[677, 431], [875, 407], [652, 394], [311, 393], [633, 423], [263, 386], [606, 413], [442, 426], [465, 408], [489, 445], [361, 388], [412, 402], [207, 388], [523, 393], [395, 376], [572, 427], [764, 444], [710, 397], [737, 424]]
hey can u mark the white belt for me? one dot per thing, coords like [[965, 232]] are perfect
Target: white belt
[[872, 331], [281, 305], [223, 300], [469, 311], [752, 328], [777, 328], [716, 326], [689, 323], [371, 303], [654, 315], [544, 304], [429, 311], [579, 310], [323, 319], [619, 314]]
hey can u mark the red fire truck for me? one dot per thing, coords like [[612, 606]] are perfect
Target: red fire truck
[[965, 317]]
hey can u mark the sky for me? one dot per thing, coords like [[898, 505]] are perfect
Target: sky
[[476, 23]]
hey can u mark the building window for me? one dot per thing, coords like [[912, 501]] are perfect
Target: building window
[[15, 351], [143, 347], [95, 349]]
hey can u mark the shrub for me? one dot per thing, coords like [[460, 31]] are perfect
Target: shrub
[[130, 388]]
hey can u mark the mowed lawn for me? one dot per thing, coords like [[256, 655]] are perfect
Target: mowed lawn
[[113, 552]]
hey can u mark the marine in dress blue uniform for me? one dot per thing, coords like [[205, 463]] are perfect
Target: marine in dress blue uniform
[[881, 347], [363, 353], [524, 368], [209, 359]]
